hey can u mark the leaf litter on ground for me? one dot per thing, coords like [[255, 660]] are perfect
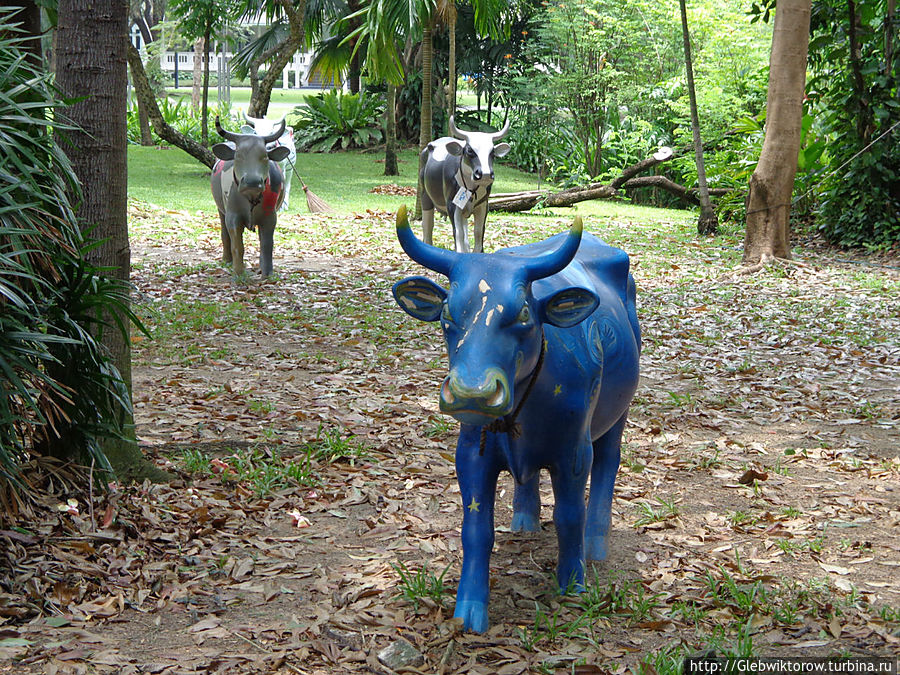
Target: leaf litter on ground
[[757, 506]]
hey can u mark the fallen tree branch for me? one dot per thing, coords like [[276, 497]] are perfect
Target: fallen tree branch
[[144, 93], [628, 179]]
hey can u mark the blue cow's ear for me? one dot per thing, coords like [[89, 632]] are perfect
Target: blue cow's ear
[[223, 151], [420, 298], [279, 153], [569, 306]]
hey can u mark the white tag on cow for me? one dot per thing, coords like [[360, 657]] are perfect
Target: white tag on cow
[[462, 198]]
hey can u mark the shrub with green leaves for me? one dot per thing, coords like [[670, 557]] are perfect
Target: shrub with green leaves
[[178, 113], [57, 385], [336, 120]]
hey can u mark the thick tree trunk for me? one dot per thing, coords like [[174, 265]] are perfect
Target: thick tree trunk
[[390, 133], [196, 89], [145, 96], [91, 64], [294, 11], [708, 223], [425, 112], [772, 183]]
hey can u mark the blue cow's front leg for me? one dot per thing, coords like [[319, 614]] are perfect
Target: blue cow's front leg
[[477, 475], [527, 506], [607, 450], [569, 482]]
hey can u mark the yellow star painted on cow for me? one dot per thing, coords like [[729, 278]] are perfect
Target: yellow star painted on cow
[[474, 505], [558, 390]]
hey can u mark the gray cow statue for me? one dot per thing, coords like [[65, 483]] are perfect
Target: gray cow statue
[[457, 175], [248, 187]]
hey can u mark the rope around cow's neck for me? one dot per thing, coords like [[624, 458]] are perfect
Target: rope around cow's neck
[[508, 424]]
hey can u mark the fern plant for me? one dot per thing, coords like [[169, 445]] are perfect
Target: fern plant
[[336, 120]]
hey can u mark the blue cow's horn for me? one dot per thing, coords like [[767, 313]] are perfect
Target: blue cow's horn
[[553, 262], [438, 259]]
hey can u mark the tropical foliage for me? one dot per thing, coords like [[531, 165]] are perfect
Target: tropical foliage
[[336, 120], [854, 90], [56, 382]]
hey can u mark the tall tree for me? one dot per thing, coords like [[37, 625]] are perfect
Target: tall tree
[[391, 168], [203, 19], [708, 223], [772, 183], [91, 66], [294, 11]]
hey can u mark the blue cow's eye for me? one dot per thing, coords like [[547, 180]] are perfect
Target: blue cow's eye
[[524, 315]]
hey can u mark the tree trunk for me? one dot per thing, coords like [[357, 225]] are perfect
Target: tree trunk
[[144, 94], [889, 37], [196, 91], [865, 122], [204, 104], [451, 75], [91, 64], [295, 12], [425, 112], [144, 122], [708, 222], [28, 14], [390, 133], [772, 183]]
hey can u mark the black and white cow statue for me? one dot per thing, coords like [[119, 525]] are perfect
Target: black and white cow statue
[[263, 127], [247, 185], [457, 175]]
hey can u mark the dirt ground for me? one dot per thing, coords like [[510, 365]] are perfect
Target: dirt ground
[[757, 506]]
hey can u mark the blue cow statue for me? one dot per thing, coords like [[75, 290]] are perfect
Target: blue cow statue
[[543, 343]]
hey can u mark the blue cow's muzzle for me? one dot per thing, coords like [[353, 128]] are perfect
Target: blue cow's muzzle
[[478, 404]]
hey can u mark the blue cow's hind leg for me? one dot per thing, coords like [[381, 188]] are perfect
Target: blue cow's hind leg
[[569, 517], [607, 450], [527, 506], [477, 475]]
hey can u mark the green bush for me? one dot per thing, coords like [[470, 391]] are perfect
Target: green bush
[[334, 119], [178, 113], [56, 382]]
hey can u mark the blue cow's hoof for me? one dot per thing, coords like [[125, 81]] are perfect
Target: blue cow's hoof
[[525, 522], [595, 548], [474, 615]]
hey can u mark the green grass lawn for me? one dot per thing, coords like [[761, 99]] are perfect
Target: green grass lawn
[[171, 178]]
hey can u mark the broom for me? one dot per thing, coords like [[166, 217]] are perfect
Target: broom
[[314, 203]]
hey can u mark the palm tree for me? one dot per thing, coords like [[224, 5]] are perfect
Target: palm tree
[[708, 222]]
